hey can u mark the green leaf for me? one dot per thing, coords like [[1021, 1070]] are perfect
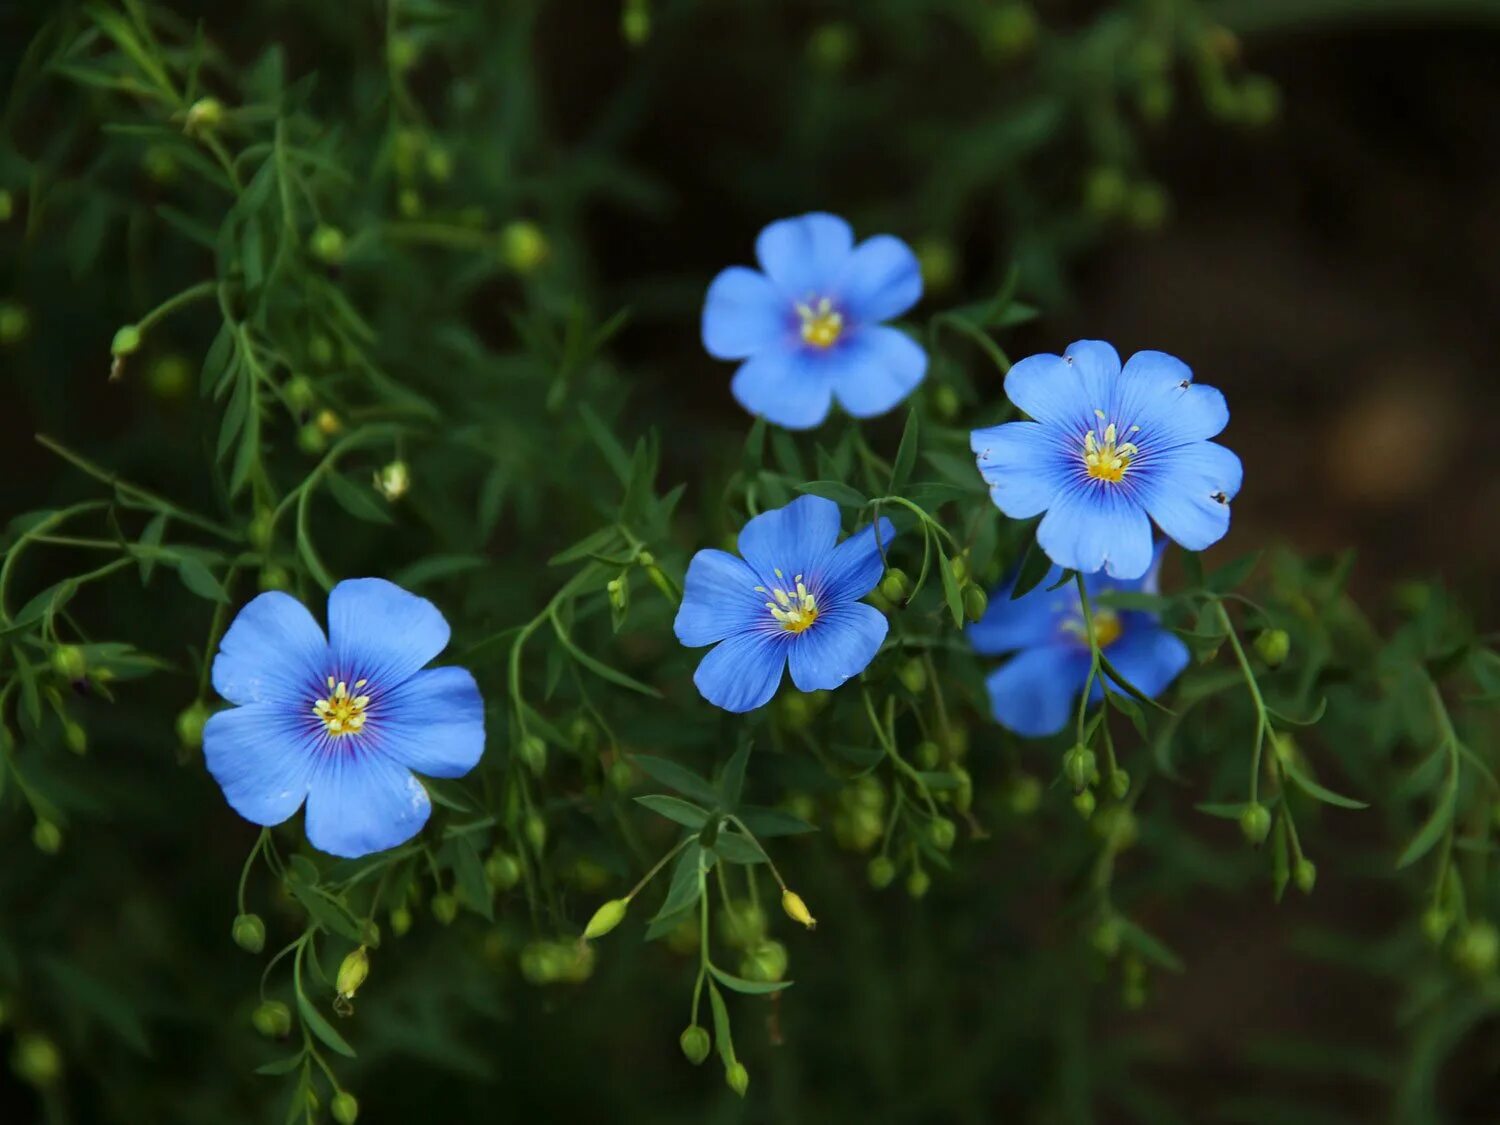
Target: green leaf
[[683, 890], [772, 822], [674, 809], [1227, 811], [837, 491], [599, 668], [151, 538], [1432, 831], [1311, 720], [1118, 680], [906, 452], [331, 915], [736, 848], [359, 502], [748, 987], [614, 452], [1034, 567], [280, 1066], [1148, 946], [1231, 575], [732, 783], [321, 1027], [680, 778], [951, 591], [468, 870], [199, 579], [595, 543], [1319, 792], [723, 1038]]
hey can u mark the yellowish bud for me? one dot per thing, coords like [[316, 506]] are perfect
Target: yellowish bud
[[352, 973], [796, 909], [606, 918]]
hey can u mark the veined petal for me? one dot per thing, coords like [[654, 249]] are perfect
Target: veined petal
[[272, 651], [792, 386], [744, 313], [1188, 490], [881, 280], [718, 599], [432, 723], [840, 644], [262, 760], [1033, 694], [1034, 619], [1023, 463], [795, 539], [806, 255], [1147, 655], [1065, 389], [874, 369], [1155, 391], [854, 567], [362, 801], [379, 631], [1091, 527], [742, 672]]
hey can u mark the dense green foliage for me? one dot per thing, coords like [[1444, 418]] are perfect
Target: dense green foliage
[[411, 289]]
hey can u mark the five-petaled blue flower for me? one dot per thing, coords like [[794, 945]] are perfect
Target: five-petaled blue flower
[[1035, 692], [341, 721], [809, 327], [1107, 449], [793, 599]]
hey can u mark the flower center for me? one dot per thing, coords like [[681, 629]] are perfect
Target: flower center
[[821, 322], [341, 712], [1103, 458], [796, 611], [1107, 627]]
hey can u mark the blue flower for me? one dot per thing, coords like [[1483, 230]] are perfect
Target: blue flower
[[809, 326], [793, 598], [341, 722], [1108, 449], [1035, 692]]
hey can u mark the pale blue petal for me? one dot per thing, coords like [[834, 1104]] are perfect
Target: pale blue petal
[[743, 672], [881, 280], [1034, 619], [718, 598], [840, 644], [806, 255], [1156, 393], [1188, 491], [792, 387], [380, 632], [1034, 693], [855, 566], [874, 369], [1065, 389], [1147, 655], [745, 313], [272, 651], [1024, 465], [432, 723], [794, 539], [362, 801], [1097, 526], [262, 759]]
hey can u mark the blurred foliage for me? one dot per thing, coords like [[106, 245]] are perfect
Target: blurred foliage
[[410, 289]]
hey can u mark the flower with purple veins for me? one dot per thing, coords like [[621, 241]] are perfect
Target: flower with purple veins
[[792, 600], [341, 721], [808, 324], [1107, 452]]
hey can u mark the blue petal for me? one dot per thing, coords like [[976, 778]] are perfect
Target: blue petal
[[742, 672], [1097, 526], [1024, 465], [261, 759], [379, 631], [1033, 694], [1065, 389], [874, 369], [1147, 655], [1188, 491], [794, 539], [1032, 620], [1156, 393], [806, 255], [855, 566], [881, 280], [273, 650], [433, 723], [718, 598], [840, 644], [792, 387], [745, 313], [362, 801]]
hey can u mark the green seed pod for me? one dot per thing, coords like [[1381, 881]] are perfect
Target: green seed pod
[[273, 1019], [127, 341], [606, 918], [1436, 922], [1255, 823], [274, 577], [1305, 875], [958, 565], [737, 1077], [47, 837], [352, 972], [896, 586], [327, 244], [533, 752], [942, 832], [75, 737], [1078, 766], [344, 1108], [249, 932], [1104, 192], [205, 115], [503, 870], [535, 829], [881, 872], [918, 883], [445, 907], [976, 601], [695, 1044], [190, 722], [1273, 646], [311, 439], [1085, 803], [743, 926]]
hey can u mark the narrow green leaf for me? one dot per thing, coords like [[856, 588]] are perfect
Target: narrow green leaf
[[772, 822], [683, 890], [359, 501], [732, 783], [322, 1028], [748, 987], [906, 452], [468, 870], [837, 491], [1319, 792], [680, 778], [674, 809], [601, 669], [199, 579], [1432, 831], [951, 591]]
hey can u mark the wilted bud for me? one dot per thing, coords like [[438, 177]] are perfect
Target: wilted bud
[[523, 246], [249, 932], [942, 832], [737, 1077], [533, 751], [445, 907], [1255, 823], [503, 870], [606, 918], [1119, 784], [47, 837], [36, 1059], [766, 961], [273, 1019], [896, 586], [1478, 949], [881, 872], [400, 920], [976, 601], [1078, 766], [352, 973], [918, 882], [327, 244], [1273, 646], [69, 662], [205, 115], [1305, 875], [344, 1108], [796, 909], [695, 1044], [1085, 803]]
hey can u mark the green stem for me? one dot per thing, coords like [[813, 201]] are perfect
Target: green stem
[[1261, 723]]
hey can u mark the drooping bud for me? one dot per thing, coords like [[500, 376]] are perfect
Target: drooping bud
[[533, 751], [619, 593], [766, 961], [963, 796], [328, 423], [737, 1077], [69, 662], [352, 973], [1436, 922], [327, 244], [796, 909], [742, 925], [47, 837], [75, 737], [393, 480], [1305, 875], [918, 882], [344, 1108], [913, 676], [301, 395], [1255, 823], [896, 586], [942, 832], [1078, 766], [273, 1019], [1085, 803], [15, 323], [976, 601], [695, 1044], [1478, 949], [635, 22], [959, 566], [535, 829], [249, 932], [311, 440], [1273, 646], [445, 907], [523, 246], [881, 872], [400, 920], [606, 918], [1025, 793], [503, 870], [190, 722]]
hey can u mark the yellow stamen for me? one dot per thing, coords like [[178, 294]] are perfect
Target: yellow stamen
[[1107, 460], [342, 713], [794, 612], [821, 323], [1107, 627]]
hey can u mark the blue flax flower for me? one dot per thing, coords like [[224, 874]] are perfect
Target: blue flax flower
[[1108, 449], [808, 325], [1035, 692], [341, 722], [793, 599]]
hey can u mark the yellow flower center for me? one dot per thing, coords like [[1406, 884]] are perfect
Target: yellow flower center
[[341, 712], [796, 611], [1107, 627], [1105, 457], [821, 323]]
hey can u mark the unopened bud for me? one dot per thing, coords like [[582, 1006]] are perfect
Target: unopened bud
[[533, 751], [896, 586], [913, 676], [445, 907], [311, 440], [69, 662], [75, 737], [36, 1059], [619, 592], [393, 480], [273, 1019], [1085, 802], [400, 920], [796, 909], [327, 244], [928, 754], [503, 870], [523, 246], [1255, 823], [1119, 784], [344, 1108], [1478, 949], [535, 829], [766, 961], [47, 837], [7, 206], [205, 115], [1273, 646], [352, 973], [635, 22], [976, 601], [1436, 922], [15, 323], [959, 566], [737, 1077], [301, 395], [942, 832], [881, 872], [1078, 765], [328, 422], [695, 1044], [274, 577], [606, 918], [918, 882], [1305, 875], [249, 933], [1025, 794]]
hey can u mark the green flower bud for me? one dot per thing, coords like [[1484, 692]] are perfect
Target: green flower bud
[[918, 883], [75, 737], [249, 932], [402, 52], [766, 961], [445, 907], [535, 830], [946, 402], [928, 754], [913, 676], [47, 837], [959, 566], [942, 832], [1436, 922], [1260, 100], [1025, 793], [1078, 766], [15, 323], [205, 115], [606, 918], [36, 1059], [1010, 31], [635, 22], [160, 164], [976, 601], [1117, 825], [938, 262], [737, 1077], [1255, 823], [695, 1044], [344, 1108], [796, 909], [327, 244], [1085, 803], [369, 933], [533, 752], [1273, 646], [439, 164], [881, 872], [1106, 938], [621, 774], [523, 246], [896, 586], [1119, 784], [352, 972], [1478, 949], [832, 46], [1305, 875], [963, 796], [503, 870], [400, 920], [273, 1019], [69, 662], [190, 722]]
